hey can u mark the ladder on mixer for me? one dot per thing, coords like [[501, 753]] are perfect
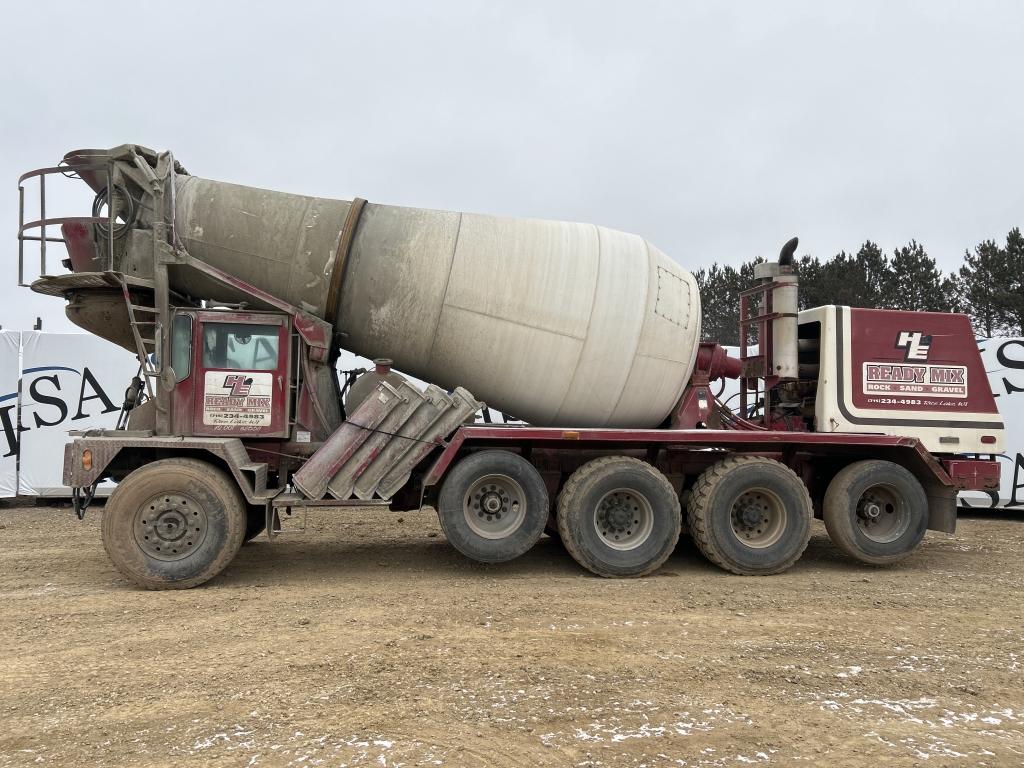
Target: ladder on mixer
[[144, 344]]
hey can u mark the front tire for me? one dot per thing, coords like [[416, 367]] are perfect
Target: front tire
[[619, 517], [876, 512], [493, 506], [750, 515], [174, 524]]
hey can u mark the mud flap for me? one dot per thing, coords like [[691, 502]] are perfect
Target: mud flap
[[941, 508]]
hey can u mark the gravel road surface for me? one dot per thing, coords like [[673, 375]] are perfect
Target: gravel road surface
[[368, 641]]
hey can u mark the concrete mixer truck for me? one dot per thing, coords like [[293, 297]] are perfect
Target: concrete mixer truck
[[238, 302]]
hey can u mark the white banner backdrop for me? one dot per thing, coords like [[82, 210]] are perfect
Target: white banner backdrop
[[10, 350], [1004, 363], [68, 381]]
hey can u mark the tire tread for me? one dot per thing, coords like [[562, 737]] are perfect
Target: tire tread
[[117, 543], [698, 513], [835, 506], [449, 507], [571, 490]]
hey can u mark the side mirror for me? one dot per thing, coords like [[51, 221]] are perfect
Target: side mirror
[[168, 379]]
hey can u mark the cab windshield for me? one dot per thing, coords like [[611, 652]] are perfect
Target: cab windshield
[[240, 346]]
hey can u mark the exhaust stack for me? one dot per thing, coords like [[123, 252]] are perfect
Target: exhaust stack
[[784, 301]]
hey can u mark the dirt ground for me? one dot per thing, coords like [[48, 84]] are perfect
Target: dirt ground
[[369, 641]]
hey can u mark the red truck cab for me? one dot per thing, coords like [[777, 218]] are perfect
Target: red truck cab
[[231, 373]]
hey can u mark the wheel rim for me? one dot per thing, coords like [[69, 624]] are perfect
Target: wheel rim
[[170, 526], [882, 515], [758, 518], [623, 519], [495, 506]]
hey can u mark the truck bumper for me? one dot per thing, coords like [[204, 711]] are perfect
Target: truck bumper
[[973, 474]]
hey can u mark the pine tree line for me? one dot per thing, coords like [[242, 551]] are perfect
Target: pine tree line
[[989, 286]]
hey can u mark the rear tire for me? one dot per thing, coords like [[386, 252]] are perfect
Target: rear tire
[[174, 524], [876, 512], [493, 506], [619, 517], [750, 515]]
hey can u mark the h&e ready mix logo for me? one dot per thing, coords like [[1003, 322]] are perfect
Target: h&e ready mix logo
[[237, 400], [915, 380], [237, 386], [916, 345]]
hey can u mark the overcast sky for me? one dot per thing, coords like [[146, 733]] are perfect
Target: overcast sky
[[715, 130]]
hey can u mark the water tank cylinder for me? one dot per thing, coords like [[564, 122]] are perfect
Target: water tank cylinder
[[367, 382]]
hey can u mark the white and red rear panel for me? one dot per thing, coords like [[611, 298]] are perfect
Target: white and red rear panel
[[891, 372]]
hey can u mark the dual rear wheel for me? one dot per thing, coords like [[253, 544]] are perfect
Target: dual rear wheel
[[620, 517], [750, 515], [617, 516]]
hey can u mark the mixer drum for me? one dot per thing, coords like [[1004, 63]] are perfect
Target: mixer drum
[[555, 323]]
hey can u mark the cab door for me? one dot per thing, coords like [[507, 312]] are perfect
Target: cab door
[[241, 361]]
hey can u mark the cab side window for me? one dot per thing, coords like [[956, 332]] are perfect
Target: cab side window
[[181, 346]]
